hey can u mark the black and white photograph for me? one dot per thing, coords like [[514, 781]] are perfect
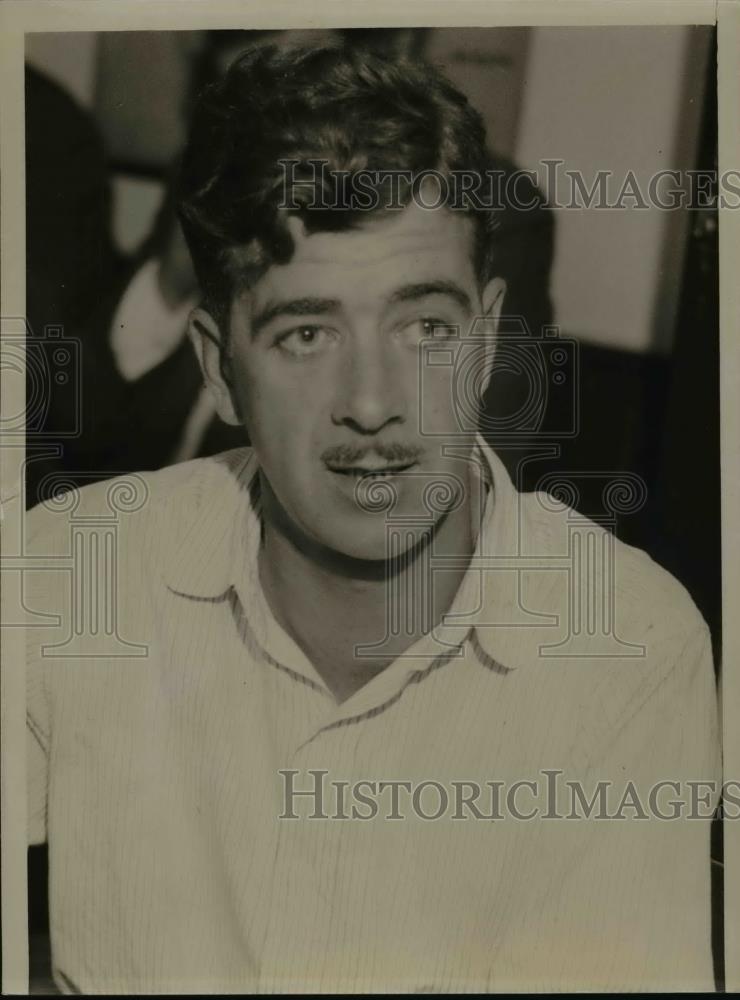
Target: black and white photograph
[[366, 467]]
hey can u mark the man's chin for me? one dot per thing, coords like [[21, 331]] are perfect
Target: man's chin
[[368, 528], [372, 539]]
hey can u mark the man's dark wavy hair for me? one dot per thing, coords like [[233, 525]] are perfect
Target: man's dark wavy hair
[[358, 110]]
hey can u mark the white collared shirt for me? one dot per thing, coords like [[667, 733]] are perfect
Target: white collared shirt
[[168, 712]]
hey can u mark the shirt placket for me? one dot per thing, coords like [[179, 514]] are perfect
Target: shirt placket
[[301, 924]]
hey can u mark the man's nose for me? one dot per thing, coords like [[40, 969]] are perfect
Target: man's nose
[[370, 394]]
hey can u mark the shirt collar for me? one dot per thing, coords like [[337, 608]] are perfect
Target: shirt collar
[[215, 528]]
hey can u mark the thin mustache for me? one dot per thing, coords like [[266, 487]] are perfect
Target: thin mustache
[[348, 456]]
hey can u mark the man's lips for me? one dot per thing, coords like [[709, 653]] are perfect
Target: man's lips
[[373, 471]]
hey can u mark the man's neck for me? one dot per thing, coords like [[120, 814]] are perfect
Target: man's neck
[[330, 612]]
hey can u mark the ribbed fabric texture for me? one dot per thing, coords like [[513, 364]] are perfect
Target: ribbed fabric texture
[[164, 703]]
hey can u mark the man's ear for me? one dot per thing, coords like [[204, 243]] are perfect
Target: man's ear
[[208, 343], [492, 300]]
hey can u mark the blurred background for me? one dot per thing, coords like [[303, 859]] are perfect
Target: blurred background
[[634, 293]]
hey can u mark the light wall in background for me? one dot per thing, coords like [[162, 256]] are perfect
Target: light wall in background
[[620, 99], [489, 66], [70, 59]]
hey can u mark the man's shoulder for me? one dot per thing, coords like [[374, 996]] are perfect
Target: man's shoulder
[[137, 503], [629, 644], [646, 597]]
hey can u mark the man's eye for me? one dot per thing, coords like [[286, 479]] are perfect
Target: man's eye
[[304, 340], [438, 328], [428, 328]]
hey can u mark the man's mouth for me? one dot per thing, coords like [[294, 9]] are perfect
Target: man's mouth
[[371, 471]]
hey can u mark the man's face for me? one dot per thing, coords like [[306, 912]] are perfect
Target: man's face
[[326, 373]]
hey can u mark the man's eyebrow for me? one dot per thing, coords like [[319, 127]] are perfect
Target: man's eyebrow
[[419, 290], [292, 307]]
